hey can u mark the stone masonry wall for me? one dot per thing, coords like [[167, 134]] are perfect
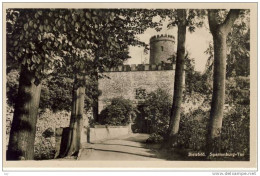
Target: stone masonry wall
[[44, 146], [134, 84]]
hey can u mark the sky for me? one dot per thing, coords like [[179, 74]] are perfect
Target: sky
[[196, 44]]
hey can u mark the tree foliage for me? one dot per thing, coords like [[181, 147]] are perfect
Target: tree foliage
[[56, 94], [30, 40], [71, 43], [238, 43], [36, 37]]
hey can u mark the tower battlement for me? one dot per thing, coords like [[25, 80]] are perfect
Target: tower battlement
[[165, 37], [142, 67]]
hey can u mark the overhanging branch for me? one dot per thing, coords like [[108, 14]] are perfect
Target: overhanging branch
[[230, 19]]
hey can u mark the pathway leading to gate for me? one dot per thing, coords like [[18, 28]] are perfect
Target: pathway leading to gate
[[131, 147]]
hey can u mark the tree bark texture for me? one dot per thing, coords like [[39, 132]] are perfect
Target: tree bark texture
[[219, 32], [179, 76], [22, 134], [218, 96], [76, 122]]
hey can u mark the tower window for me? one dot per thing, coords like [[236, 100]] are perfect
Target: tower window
[[162, 48]]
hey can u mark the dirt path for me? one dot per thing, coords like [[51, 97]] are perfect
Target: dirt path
[[132, 147]]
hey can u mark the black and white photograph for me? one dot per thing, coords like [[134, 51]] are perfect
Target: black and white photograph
[[153, 84]]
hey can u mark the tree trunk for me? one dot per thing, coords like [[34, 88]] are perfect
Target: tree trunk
[[179, 76], [218, 97], [22, 134], [73, 144], [95, 99], [219, 32]]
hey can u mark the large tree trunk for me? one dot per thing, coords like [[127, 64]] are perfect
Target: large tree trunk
[[179, 76], [218, 97], [73, 144], [219, 32], [22, 134]]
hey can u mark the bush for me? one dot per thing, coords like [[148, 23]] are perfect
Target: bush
[[236, 123], [119, 112], [154, 138], [193, 130], [154, 115], [235, 129], [45, 149], [157, 108], [237, 91]]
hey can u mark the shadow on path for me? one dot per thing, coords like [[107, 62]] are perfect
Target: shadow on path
[[151, 156], [132, 147]]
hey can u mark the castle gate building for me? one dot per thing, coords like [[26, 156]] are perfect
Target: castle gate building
[[134, 82]]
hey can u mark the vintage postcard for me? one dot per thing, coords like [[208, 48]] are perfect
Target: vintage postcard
[[154, 86]]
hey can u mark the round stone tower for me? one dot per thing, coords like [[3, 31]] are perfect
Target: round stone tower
[[161, 48]]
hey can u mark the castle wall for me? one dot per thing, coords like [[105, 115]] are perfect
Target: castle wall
[[135, 84], [161, 49]]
